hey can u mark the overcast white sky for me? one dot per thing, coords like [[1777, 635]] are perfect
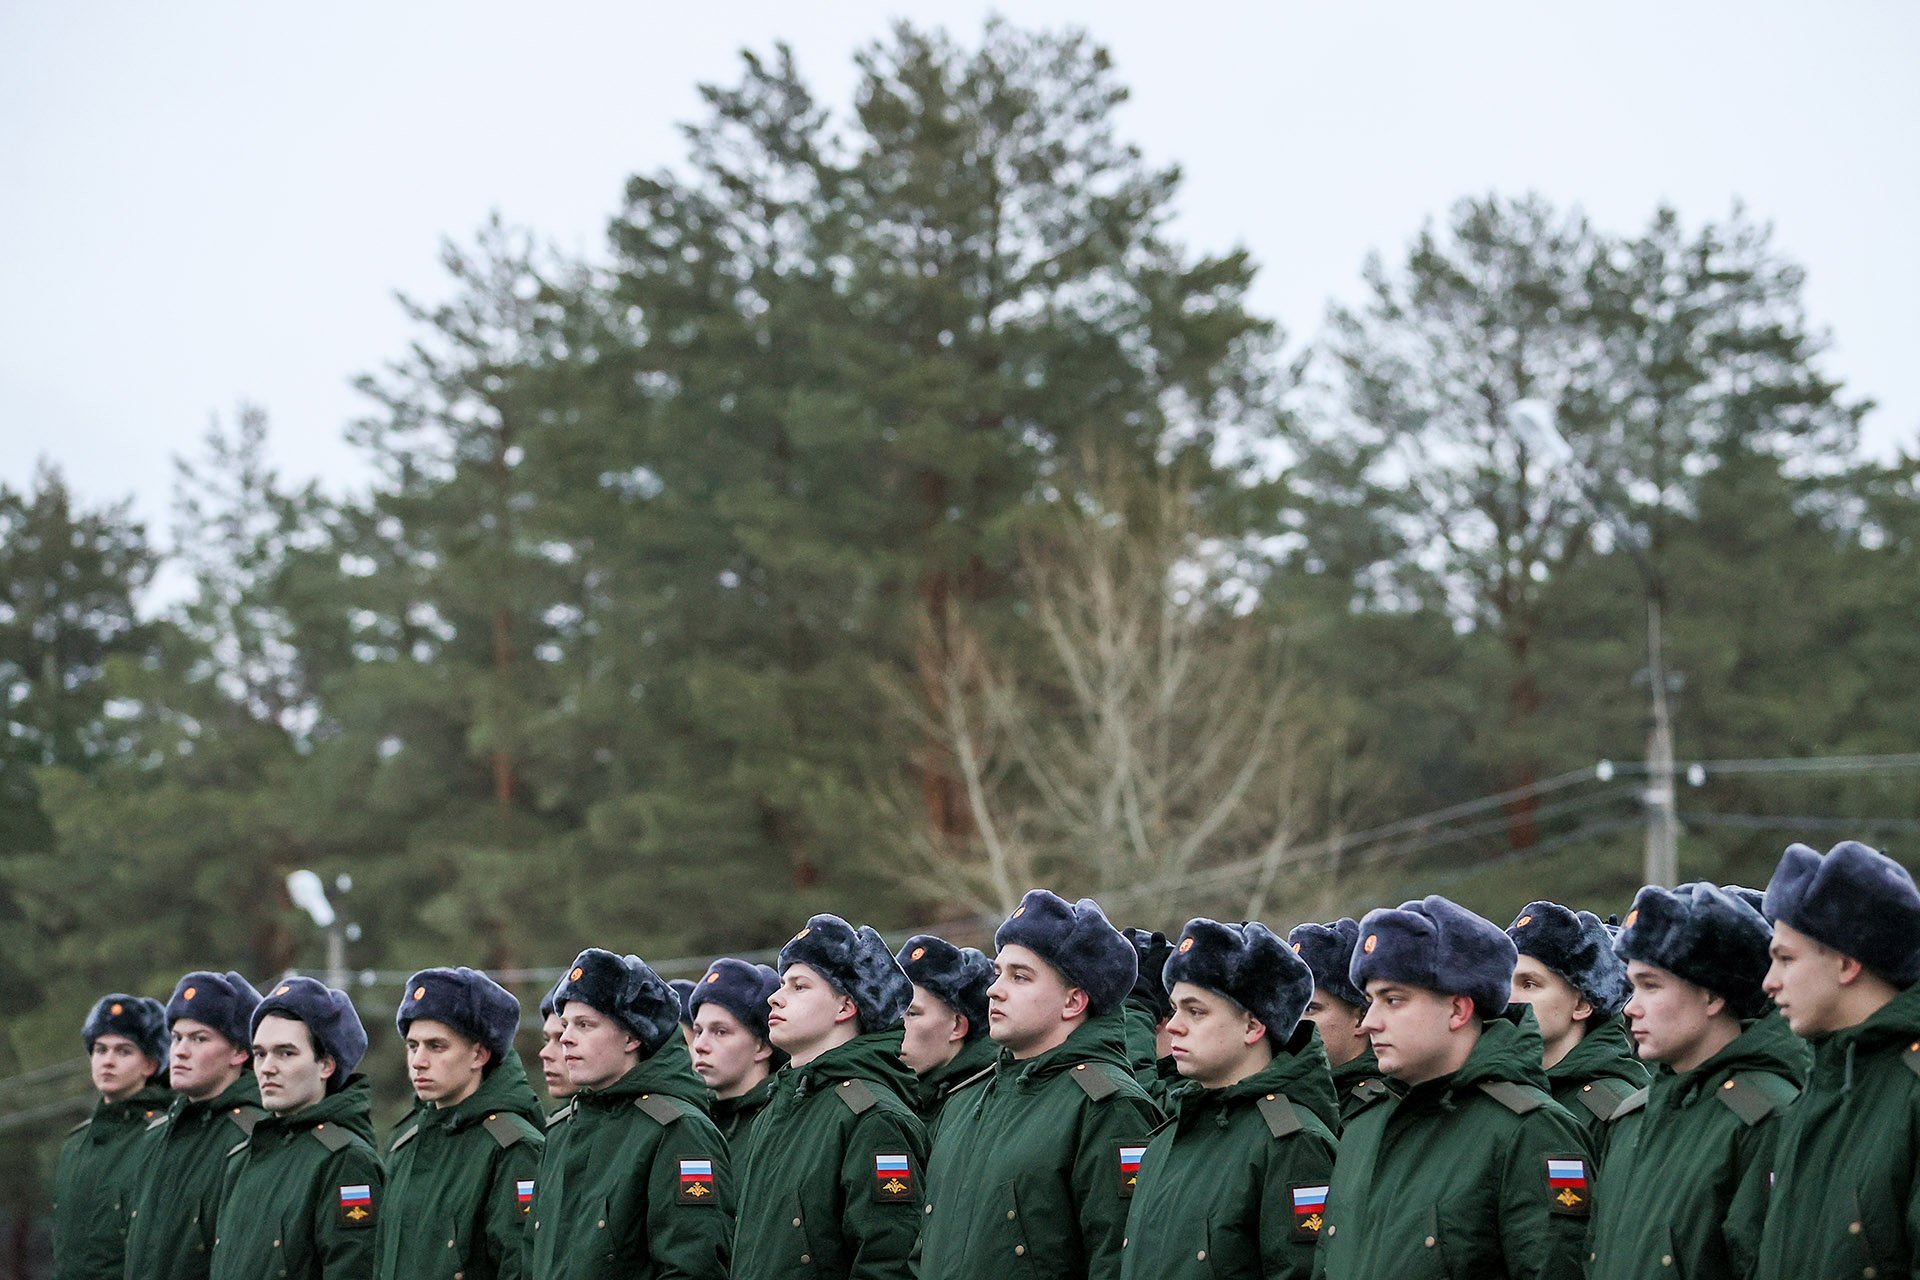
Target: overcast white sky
[[202, 203]]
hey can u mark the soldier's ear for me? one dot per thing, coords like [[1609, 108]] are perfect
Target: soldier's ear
[[1849, 969], [1582, 1010], [328, 1065], [1078, 1002], [1255, 1032]]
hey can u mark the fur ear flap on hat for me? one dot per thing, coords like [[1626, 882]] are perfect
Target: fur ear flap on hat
[[1078, 942], [1577, 946], [330, 1017], [223, 1002], [739, 988], [1441, 946], [1855, 900], [1153, 950], [466, 1000], [858, 964], [1328, 950], [1705, 935], [1248, 964], [958, 977], [140, 1019], [625, 989]]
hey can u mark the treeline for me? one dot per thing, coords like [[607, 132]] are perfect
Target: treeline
[[895, 515]]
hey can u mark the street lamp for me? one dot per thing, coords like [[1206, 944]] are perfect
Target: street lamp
[[1533, 422], [310, 895]]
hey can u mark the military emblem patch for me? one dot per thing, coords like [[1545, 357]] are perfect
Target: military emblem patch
[[1130, 1154], [523, 1193], [1567, 1187], [696, 1181], [356, 1205], [1309, 1211], [892, 1178]]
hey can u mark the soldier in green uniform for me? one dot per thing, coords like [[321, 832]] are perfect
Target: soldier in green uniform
[[94, 1185], [1684, 1188], [946, 1043], [731, 1051], [303, 1191], [1235, 1185], [1336, 1008], [1846, 976], [215, 1105], [1577, 986], [461, 1172], [683, 990], [1475, 1171], [635, 1179], [1037, 1165], [553, 1067], [1146, 1011], [832, 1180]]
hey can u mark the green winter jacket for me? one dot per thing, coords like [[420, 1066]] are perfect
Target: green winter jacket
[[1684, 1189], [1358, 1084], [460, 1184], [635, 1181], [832, 1185], [1233, 1185], [1596, 1078], [95, 1184], [303, 1194], [1454, 1179], [183, 1176], [1157, 1075], [931, 1091], [735, 1117], [1846, 1196], [1036, 1166]]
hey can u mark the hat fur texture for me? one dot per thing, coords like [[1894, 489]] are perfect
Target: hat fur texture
[[330, 1017], [141, 1019], [466, 1000], [1248, 964], [1153, 949], [1856, 900], [1328, 950], [1439, 945], [739, 988], [858, 965], [1577, 946], [625, 989], [958, 977], [1706, 935], [223, 1002], [1078, 942], [683, 987]]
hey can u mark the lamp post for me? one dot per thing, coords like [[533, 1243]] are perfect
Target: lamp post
[[1533, 422], [310, 895]]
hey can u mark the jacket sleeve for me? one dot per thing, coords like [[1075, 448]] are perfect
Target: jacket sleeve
[[346, 1252], [1540, 1239], [690, 1236], [1125, 1119], [881, 1225], [1752, 1189], [1303, 1160], [501, 1218]]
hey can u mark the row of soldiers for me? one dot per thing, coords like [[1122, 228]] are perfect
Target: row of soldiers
[[1726, 1083]]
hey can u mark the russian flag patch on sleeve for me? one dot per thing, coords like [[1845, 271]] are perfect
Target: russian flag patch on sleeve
[[1130, 1156], [523, 1193], [1567, 1187], [892, 1177], [356, 1205], [1309, 1210], [696, 1180]]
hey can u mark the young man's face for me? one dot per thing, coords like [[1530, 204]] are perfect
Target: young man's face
[[1211, 1037], [1413, 1030], [202, 1062], [552, 1065], [1029, 1004], [118, 1067], [1668, 1017], [804, 1010], [729, 1057], [1339, 1024], [1560, 1010], [443, 1066], [596, 1049], [935, 1033], [1804, 980], [291, 1074]]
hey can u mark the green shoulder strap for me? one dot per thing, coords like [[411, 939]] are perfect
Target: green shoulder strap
[[858, 1097], [331, 1136], [404, 1138], [1097, 1085], [1517, 1098], [1604, 1097], [1278, 1111], [661, 1111], [506, 1132], [1755, 1095]]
